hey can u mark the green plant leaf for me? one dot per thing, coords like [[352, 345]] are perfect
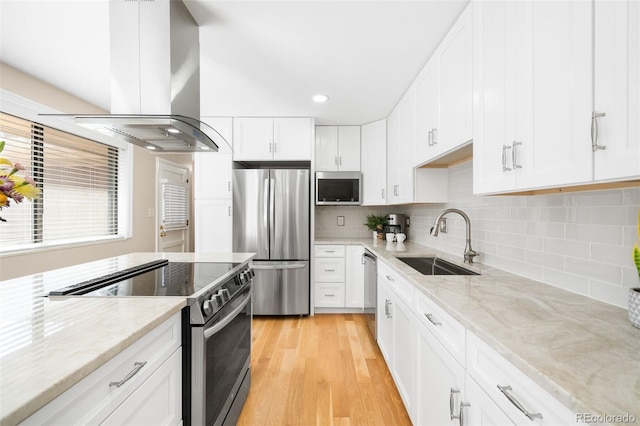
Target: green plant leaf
[[2, 147], [636, 257]]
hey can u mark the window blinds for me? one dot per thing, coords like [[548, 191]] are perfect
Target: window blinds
[[79, 183], [174, 205]]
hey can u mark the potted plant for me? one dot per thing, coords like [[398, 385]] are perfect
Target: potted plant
[[376, 224], [634, 293]]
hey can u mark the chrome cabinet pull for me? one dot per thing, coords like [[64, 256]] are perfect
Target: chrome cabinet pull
[[340, 160], [335, 160], [390, 278], [329, 295], [514, 155], [434, 139], [463, 405], [594, 131], [329, 251], [505, 391], [387, 308], [137, 367], [452, 403], [504, 158], [228, 186], [432, 320], [329, 270], [430, 138], [382, 192], [229, 211], [270, 147]]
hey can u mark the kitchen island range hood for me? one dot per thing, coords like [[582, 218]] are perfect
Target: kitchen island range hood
[[155, 80]]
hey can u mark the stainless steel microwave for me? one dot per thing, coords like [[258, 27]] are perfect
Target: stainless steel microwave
[[338, 188]]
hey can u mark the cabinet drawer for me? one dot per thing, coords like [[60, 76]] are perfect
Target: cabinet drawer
[[491, 370], [329, 295], [329, 251], [444, 327], [329, 269], [92, 399], [157, 401], [400, 286]]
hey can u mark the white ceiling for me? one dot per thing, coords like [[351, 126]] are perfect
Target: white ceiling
[[258, 58]]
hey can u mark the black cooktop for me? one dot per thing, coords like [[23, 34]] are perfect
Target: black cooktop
[[160, 278]]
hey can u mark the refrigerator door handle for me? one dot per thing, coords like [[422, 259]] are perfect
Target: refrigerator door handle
[[272, 214], [265, 210], [278, 267]]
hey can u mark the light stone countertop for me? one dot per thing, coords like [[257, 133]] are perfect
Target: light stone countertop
[[48, 345], [584, 352]]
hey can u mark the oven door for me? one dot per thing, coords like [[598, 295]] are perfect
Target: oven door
[[221, 356]]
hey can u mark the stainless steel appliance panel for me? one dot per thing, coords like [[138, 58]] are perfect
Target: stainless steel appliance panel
[[281, 288], [251, 212], [370, 293], [289, 214]]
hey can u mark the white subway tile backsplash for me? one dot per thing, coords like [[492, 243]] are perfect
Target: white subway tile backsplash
[[604, 234], [574, 283], [578, 241], [594, 270]]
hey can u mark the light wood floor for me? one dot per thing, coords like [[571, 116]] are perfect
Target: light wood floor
[[320, 370]]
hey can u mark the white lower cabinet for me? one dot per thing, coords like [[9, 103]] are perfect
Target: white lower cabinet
[[142, 385], [446, 375], [481, 410], [395, 324], [338, 276]]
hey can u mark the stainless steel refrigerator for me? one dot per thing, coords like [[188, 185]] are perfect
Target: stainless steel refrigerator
[[271, 218]]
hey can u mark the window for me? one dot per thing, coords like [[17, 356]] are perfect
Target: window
[[79, 181]]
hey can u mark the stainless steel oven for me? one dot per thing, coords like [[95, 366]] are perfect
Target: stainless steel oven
[[220, 363], [216, 328]]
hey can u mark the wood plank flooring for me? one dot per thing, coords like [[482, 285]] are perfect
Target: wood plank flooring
[[320, 370]]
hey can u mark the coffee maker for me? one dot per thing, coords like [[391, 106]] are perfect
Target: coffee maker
[[395, 224]]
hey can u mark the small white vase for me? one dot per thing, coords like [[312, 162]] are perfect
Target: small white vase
[[634, 306]]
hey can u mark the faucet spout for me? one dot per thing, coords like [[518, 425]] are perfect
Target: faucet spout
[[469, 253]]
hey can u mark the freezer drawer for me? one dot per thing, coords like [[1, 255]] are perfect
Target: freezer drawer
[[281, 288]]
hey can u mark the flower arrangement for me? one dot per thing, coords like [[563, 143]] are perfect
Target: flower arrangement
[[13, 186]]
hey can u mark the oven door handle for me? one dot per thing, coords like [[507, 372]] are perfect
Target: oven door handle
[[276, 267], [226, 320]]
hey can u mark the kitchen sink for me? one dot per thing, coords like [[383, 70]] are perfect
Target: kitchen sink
[[435, 266]]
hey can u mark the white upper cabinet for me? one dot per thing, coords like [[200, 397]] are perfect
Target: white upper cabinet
[[616, 129], [444, 95], [338, 148], [393, 156], [264, 139], [533, 88], [213, 170], [405, 145], [374, 163]]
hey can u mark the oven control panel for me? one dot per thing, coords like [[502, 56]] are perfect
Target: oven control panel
[[211, 302]]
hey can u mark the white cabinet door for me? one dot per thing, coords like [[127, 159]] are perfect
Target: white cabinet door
[[532, 67], [158, 401], [403, 352], [482, 411], [252, 139], [292, 138], [349, 148], [456, 94], [374, 163], [214, 224], [337, 148], [329, 269], [393, 156], [326, 148], [212, 175], [354, 277], [617, 89], [558, 150], [405, 148], [384, 320], [427, 112], [439, 381]]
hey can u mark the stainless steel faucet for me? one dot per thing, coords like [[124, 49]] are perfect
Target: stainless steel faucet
[[469, 253]]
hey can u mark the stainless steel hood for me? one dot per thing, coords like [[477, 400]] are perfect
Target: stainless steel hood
[[155, 79]]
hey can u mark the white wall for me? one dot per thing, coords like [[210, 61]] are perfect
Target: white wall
[[579, 241]]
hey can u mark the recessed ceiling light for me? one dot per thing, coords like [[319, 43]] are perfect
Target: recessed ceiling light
[[204, 148], [150, 147], [320, 98], [172, 130]]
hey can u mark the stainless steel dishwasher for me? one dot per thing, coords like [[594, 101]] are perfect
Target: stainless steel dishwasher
[[370, 285]]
